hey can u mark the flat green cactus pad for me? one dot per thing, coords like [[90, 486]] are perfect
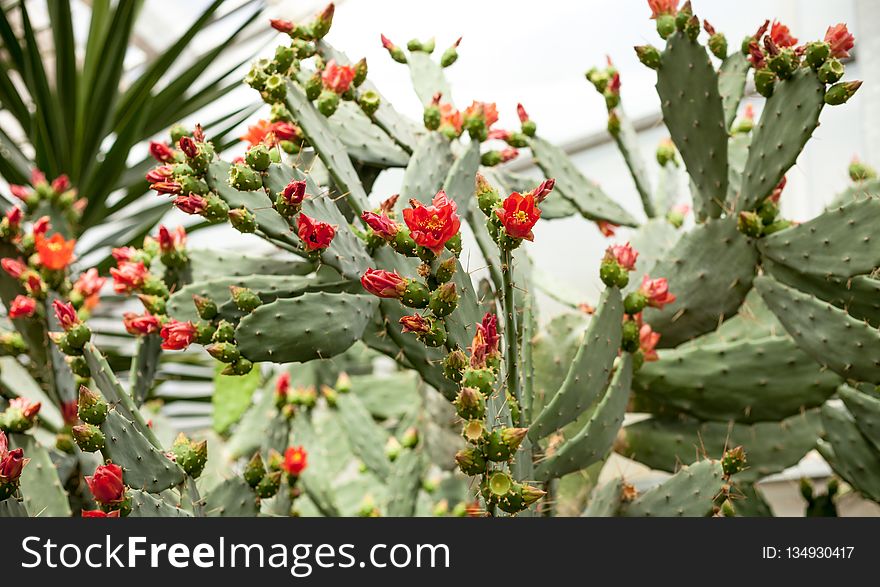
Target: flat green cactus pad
[[690, 492], [849, 453]]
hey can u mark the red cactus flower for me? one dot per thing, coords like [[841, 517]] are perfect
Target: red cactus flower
[[128, 277], [70, 412], [257, 133], [781, 35], [432, 226], [662, 7], [99, 514], [295, 460], [61, 184], [41, 226], [381, 224], [489, 329], [55, 253], [170, 242], [191, 204], [161, 152], [19, 191], [384, 284], [450, 118], [479, 350], [606, 228], [282, 26], [89, 285], [284, 131], [624, 255], [124, 254], [11, 462], [28, 409], [167, 187], [106, 484], [14, 267], [519, 215], [648, 340], [656, 291], [840, 39], [176, 336], [415, 323], [282, 385], [188, 146], [294, 193], [22, 307], [337, 78], [485, 110], [14, 216], [65, 313], [315, 235], [140, 324]]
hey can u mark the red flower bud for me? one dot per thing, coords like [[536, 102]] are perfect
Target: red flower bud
[[388, 45], [37, 177], [295, 460], [432, 226], [624, 255], [66, 314], [128, 277], [840, 39], [34, 283], [191, 204], [294, 193], [106, 484], [19, 191], [89, 283], [337, 78], [14, 267], [41, 226], [606, 228], [499, 134], [159, 174], [14, 216], [167, 187], [99, 514], [521, 112], [315, 235], [140, 325], [707, 26], [648, 340], [479, 350], [381, 225], [188, 146], [282, 384], [384, 284], [61, 184], [284, 131], [171, 242], [161, 152], [177, 336], [519, 215], [656, 291], [11, 463], [282, 26], [416, 324], [22, 307]]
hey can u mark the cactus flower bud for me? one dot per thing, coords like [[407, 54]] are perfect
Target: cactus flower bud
[[450, 55], [841, 92], [381, 225], [257, 157], [816, 53], [629, 340], [140, 325], [188, 146], [750, 224], [656, 292], [15, 268], [384, 284], [92, 408], [20, 415], [254, 471], [861, 171], [88, 437], [454, 364], [443, 300], [392, 449], [107, 485], [393, 50], [504, 442], [488, 198], [161, 152], [245, 299], [666, 153], [648, 340], [268, 485], [282, 26], [470, 404], [471, 461], [22, 307], [176, 335], [191, 456], [733, 461], [327, 102], [527, 125], [429, 331], [648, 55], [12, 462], [225, 352], [243, 220]]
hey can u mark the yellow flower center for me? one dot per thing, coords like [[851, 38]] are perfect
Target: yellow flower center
[[434, 223], [521, 216]]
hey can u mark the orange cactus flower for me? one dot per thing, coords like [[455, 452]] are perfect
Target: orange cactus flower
[[55, 253]]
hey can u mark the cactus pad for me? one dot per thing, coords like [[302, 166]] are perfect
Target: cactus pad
[[367, 439], [41, 490], [427, 77], [404, 484], [849, 453], [232, 498], [690, 492], [865, 408], [148, 505], [144, 466], [732, 84]]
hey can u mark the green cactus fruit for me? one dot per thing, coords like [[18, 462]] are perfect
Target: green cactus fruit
[[470, 404], [482, 380], [454, 364], [649, 55], [268, 485], [243, 220], [410, 438], [313, 87], [327, 102], [665, 25], [92, 408], [841, 92], [861, 171], [284, 56], [431, 117], [416, 295], [225, 352], [718, 45], [612, 274], [831, 71], [216, 210], [88, 437], [449, 56], [192, 185], [257, 157], [360, 73], [65, 443], [474, 431], [454, 244], [497, 485], [369, 102], [225, 332], [240, 366], [816, 53], [78, 336], [446, 270], [727, 510], [392, 449], [634, 302], [177, 132], [504, 442], [191, 456], [79, 366], [254, 471], [528, 128], [244, 179], [750, 224], [256, 77], [488, 198], [205, 306], [733, 461], [275, 88], [245, 299], [783, 63], [444, 300], [404, 244], [471, 461], [765, 81], [630, 336], [204, 331]]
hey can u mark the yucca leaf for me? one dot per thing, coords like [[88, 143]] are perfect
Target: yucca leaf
[[11, 99], [65, 68]]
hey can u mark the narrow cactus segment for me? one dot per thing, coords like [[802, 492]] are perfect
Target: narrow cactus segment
[[737, 155], [459, 182], [594, 440], [144, 366], [554, 350], [585, 195], [849, 453], [788, 120], [143, 465], [841, 242], [687, 84], [653, 240], [367, 439], [690, 492], [363, 140], [605, 501], [740, 380], [232, 498], [316, 479], [628, 142], [41, 489], [732, 84], [427, 170], [664, 443], [404, 484], [325, 325], [589, 371], [832, 337], [13, 508], [147, 505], [865, 408], [330, 149], [252, 427], [705, 296], [859, 295], [427, 77]]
